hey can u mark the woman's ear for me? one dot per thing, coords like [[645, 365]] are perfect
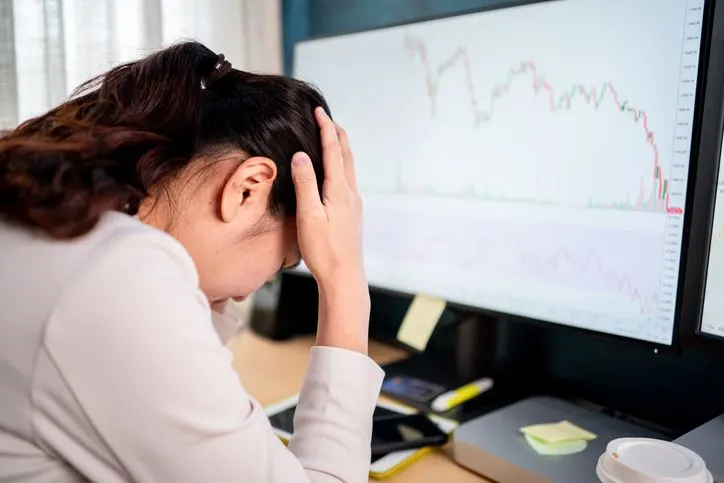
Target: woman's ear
[[247, 190]]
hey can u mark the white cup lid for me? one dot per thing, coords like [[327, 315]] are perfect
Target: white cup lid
[[643, 460]]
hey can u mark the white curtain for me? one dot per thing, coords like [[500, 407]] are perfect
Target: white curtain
[[49, 47]]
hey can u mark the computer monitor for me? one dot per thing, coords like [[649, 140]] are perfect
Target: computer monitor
[[704, 285], [530, 161]]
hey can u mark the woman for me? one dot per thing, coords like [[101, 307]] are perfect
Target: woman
[[158, 192]]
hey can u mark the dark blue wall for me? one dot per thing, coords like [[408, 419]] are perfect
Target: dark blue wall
[[316, 18], [295, 22], [336, 16]]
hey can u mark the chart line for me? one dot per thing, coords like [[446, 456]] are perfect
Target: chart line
[[434, 75], [556, 261], [591, 260]]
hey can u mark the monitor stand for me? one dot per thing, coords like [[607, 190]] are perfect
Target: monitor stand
[[493, 446], [469, 357], [482, 346]]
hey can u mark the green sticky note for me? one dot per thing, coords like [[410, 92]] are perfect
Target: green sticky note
[[558, 432], [555, 449]]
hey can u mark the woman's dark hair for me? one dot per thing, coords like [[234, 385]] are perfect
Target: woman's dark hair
[[135, 127]]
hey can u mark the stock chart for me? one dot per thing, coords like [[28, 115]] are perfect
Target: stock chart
[[529, 160]]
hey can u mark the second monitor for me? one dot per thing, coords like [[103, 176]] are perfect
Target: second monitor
[[531, 160], [712, 320]]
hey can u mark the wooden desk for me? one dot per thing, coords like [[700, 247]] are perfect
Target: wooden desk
[[272, 371]]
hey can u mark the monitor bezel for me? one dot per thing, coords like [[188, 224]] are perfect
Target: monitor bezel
[[702, 81], [704, 189]]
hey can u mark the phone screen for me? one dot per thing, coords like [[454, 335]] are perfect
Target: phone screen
[[284, 421], [405, 430]]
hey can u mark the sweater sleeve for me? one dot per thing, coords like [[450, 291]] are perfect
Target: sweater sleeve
[[133, 340]]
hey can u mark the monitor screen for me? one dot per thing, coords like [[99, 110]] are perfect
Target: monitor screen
[[531, 160], [712, 319]]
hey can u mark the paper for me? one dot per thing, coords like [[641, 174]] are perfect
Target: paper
[[558, 432], [420, 321], [556, 449]]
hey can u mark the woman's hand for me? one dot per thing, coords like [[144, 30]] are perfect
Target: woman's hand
[[329, 230]]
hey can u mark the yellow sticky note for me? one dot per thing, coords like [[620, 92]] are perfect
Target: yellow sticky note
[[420, 320], [556, 449], [558, 432]]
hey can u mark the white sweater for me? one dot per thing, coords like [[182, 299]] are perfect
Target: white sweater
[[111, 370]]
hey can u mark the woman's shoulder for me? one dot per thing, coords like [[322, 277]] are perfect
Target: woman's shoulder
[[119, 243], [119, 260], [127, 235], [133, 247]]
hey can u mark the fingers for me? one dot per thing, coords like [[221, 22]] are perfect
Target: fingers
[[331, 149], [305, 183], [347, 158]]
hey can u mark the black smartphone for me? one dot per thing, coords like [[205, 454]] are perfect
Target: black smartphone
[[405, 431], [284, 421]]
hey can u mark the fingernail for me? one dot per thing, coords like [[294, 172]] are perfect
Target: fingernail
[[321, 111], [300, 158]]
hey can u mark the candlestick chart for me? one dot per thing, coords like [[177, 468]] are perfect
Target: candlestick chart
[[653, 187], [525, 161]]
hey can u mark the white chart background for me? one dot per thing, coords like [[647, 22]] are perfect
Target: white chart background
[[713, 316]]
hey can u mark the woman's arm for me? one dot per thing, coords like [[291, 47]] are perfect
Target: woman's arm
[[132, 341]]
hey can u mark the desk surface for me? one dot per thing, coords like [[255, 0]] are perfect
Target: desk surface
[[272, 371]]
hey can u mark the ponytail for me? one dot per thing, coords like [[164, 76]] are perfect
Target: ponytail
[[118, 136]]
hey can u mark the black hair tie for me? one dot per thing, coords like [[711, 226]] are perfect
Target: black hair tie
[[221, 68]]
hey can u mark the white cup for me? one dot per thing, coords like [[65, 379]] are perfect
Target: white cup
[[642, 460]]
